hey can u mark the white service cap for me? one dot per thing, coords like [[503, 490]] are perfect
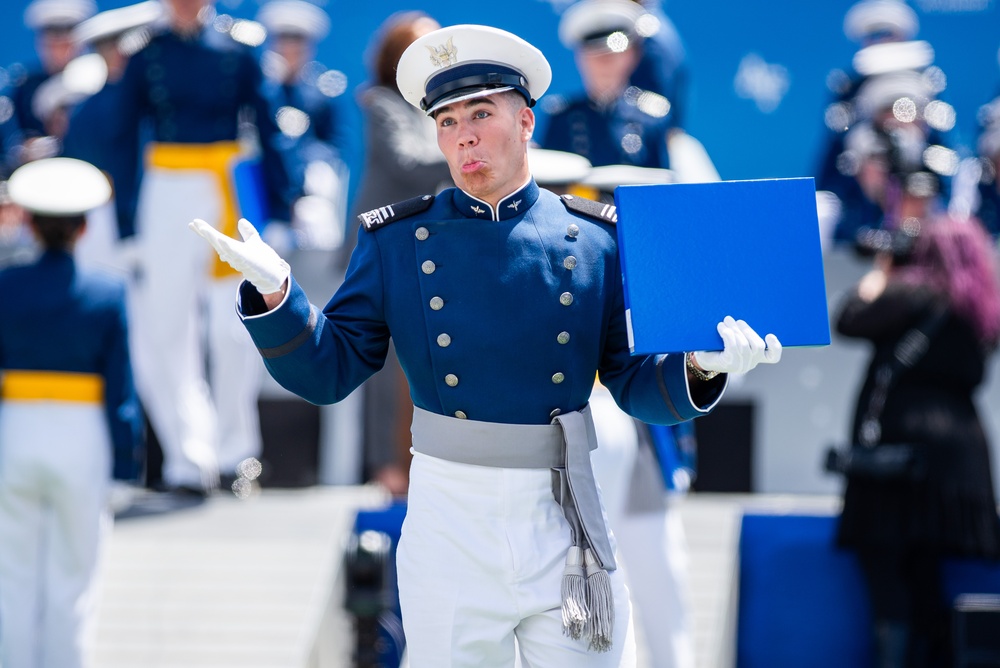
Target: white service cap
[[591, 23], [58, 187], [893, 56], [467, 61], [881, 92], [295, 17], [42, 14], [608, 177], [556, 168], [870, 17], [82, 77], [115, 22]]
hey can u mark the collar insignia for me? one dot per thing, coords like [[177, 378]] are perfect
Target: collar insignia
[[476, 209], [443, 55], [515, 204]]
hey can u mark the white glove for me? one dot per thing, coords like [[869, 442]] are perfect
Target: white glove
[[253, 258], [743, 349]]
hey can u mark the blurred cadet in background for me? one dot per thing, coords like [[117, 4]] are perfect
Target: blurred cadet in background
[[641, 468], [884, 31], [195, 91], [112, 36], [931, 309], [316, 130], [70, 421], [614, 123], [985, 169], [402, 160], [892, 157], [663, 65], [52, 22], [611, 123]]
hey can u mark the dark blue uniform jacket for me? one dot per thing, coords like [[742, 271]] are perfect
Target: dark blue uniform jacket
[[498, 316]]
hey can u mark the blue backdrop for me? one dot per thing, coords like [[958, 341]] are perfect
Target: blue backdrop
[[782, 50]]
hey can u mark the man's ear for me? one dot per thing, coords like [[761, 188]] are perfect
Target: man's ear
[[527, 121]]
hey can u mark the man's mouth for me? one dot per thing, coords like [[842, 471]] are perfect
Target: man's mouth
[[471, 166]]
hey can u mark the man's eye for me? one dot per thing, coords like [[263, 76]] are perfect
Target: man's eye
[[482, 114], [445, 122]]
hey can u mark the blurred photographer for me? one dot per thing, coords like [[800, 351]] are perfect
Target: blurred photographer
[[931, 309], [894, 155]]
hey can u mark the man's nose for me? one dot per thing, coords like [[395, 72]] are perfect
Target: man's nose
[[467, 138]]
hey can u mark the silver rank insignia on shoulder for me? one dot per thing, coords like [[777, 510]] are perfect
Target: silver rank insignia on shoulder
[[443, 55], [607, 213], [376, 218]]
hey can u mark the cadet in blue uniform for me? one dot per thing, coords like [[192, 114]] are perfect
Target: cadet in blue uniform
[[190, 88], [663, 66], [503, 301], [69, 421], [317, 137], [113, 36], [53, 22], [988, 149], [614, 122]]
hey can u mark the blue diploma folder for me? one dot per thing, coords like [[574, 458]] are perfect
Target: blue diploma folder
[[693, 253]]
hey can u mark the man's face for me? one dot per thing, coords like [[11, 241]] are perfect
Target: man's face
[[485, 142], [295, 49], [605, 73], [55, 48]]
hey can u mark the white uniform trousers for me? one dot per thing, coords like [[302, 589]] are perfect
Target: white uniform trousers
[[652, 547], [480, 563], [55, 465], [205, 415]]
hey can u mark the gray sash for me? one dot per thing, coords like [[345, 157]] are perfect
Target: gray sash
[[563, 446]]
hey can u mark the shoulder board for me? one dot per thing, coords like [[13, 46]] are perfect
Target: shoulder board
[[376, 218], [606, 213]]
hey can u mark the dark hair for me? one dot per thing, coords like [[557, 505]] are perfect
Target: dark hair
[[57, 232], [395, 34]]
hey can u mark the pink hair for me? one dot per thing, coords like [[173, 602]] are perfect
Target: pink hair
[[957, 258]]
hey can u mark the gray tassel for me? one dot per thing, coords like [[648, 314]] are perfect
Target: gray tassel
[[574, 595], [601, 603]]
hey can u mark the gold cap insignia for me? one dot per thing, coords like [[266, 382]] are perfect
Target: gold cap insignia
[[443, 55]]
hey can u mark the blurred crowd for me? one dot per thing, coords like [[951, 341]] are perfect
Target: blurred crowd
[[191, 113]]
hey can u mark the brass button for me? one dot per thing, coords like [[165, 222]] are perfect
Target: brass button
[[573, 230], [444, 340], [555, 412], [566, 299], [422, 233], [428, 267], [461, 415], [437, 303], [570, 262], [563, 337], [558, 377], [451, 380]]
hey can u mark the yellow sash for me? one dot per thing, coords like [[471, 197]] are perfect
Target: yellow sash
[[219, 159], [85, 388]]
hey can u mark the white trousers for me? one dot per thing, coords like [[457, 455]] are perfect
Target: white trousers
[[480, 563], [55, 465], [205, 415], [651, 545]]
